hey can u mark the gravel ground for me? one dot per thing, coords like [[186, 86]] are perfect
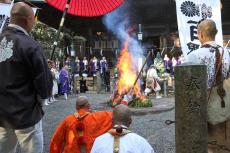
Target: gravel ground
[[150, 126]]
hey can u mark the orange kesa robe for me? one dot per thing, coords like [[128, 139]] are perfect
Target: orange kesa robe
[[66, 136]]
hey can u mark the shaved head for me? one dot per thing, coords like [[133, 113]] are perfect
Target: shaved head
[[22, 15], [208, 30], [122, 115], [21, 9], [82, 102]]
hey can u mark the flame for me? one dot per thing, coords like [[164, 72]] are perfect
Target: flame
[[127, 72]]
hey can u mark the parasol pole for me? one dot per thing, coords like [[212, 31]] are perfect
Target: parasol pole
[[60, 28], [139, 74]]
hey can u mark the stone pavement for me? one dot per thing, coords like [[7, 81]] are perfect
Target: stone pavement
[[148, 122]]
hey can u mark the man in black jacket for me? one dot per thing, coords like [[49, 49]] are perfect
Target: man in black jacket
[[24, 81]]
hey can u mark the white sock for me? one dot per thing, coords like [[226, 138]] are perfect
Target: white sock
[[46, 102], [158, 94], [51, 99], [66, 97]]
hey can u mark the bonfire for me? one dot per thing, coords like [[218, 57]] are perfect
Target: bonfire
[[126, 82]]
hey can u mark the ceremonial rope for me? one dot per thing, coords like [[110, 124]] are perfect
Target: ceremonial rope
[[80, 129], [218, 74], [117, 131]]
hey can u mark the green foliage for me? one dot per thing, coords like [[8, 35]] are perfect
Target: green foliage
[[46, 35], [135, 103], [141, 103]]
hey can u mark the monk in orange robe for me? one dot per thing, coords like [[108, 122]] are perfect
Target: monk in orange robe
[[77, 132]]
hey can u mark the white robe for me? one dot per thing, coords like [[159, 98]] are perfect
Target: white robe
[[129, 143], [55, 81], [152, 80], [215, 132], [204, 56]]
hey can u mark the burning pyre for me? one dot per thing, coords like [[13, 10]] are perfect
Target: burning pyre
[[127, 75], [127, 72]]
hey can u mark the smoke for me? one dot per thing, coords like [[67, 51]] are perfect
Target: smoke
[[119, 22]]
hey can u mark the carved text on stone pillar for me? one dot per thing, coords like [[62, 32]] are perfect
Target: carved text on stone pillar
[[193, 107], [193, 83], [193, 86]]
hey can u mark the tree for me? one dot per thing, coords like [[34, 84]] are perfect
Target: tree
[[45, 35]]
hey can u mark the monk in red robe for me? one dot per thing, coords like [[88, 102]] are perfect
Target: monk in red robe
[[77, 132]]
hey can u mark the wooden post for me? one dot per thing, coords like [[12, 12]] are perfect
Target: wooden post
[[173, 84], [191, 108], [94, 82], [165, 87], [98, 82]]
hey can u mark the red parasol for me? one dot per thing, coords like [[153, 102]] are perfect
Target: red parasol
[[86, 7]]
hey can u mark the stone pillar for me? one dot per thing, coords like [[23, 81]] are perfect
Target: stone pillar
[[191, 108], [98, 82]]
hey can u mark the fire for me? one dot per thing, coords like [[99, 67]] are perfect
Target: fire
[[127, 76], [127, 72]]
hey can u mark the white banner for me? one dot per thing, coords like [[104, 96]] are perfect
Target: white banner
[[5, 15], [189, 13]]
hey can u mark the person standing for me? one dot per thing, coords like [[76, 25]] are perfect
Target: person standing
[[85, 70], [64, 81], [105, 74], [76, 74], [67, 61], [47, 101], [55, 75], [208, 54], [57, 64], [76, 67], [103, 65], [85, 62], [94, 66], [25, 81]]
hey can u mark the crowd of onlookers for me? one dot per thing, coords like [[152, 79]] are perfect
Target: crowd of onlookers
[[68, 76]]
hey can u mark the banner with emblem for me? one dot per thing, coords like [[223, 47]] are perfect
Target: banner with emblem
[[189, 13], [4, 15]]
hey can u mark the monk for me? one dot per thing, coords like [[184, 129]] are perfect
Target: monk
[[77, 132], [218, 128], [120, 139]]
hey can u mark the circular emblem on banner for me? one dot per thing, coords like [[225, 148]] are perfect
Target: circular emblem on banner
[[188, 8]]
